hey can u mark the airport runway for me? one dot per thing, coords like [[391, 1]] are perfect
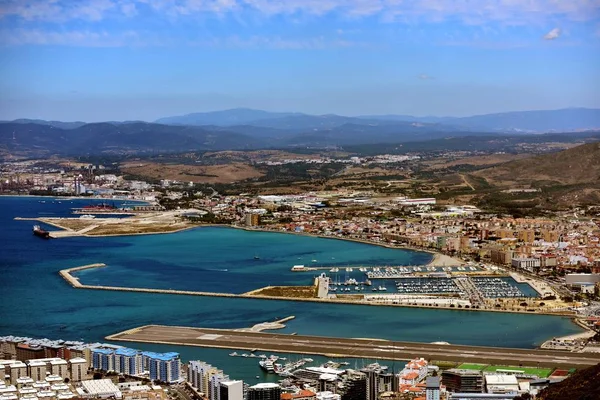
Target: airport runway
[[361, 348]]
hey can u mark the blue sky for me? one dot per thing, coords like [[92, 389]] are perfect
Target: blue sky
[[97, 60]]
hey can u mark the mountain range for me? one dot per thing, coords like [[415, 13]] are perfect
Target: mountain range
[[239, 129], [567, 119]]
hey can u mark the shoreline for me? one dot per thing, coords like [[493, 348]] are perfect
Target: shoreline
[[437, 259], [56, 197], [75, 283], [436, 256]]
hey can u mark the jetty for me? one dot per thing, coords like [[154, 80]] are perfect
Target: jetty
[[379, 349], [362, 300]]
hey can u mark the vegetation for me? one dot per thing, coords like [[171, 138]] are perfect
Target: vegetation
[[582, 385]]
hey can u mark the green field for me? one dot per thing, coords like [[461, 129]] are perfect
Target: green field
[[476, 367], [540, 372]]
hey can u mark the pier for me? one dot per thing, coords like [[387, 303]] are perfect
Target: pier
[[362, 300], [360, 348]]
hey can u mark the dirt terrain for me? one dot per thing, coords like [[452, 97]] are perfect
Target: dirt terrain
[[229, 173]]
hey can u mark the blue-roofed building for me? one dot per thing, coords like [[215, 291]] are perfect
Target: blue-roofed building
[[103, 359], [128, 361], [164, 367]]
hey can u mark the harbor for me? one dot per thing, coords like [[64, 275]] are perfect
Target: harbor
[[468, 297]]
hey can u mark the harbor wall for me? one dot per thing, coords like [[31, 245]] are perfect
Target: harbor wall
[[74, 282]]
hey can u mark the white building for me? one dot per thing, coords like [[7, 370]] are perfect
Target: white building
[[500, 384], [231, 390], [77, 368], [59, 367], [527, 264], [17, 370], [99, 388], [200, 376], [417, 202], [414, 372], [327, 395]]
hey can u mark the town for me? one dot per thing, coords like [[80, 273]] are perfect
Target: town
[[56, 369]]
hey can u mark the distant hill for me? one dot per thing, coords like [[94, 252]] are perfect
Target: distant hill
[[40, 140], [582, 385], [286, 122], [56, 124], [236, 116], [568, 119], [577, 165]]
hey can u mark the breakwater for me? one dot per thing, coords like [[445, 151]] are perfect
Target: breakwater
[[75, 283]]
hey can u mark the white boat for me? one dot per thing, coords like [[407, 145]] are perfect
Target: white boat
[[234, 354], [245, 355], [268, 365]]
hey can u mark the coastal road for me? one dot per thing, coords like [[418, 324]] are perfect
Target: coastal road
[[360, 348]]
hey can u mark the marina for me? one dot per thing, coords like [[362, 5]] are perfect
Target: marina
[[401, 280], [496, 288]]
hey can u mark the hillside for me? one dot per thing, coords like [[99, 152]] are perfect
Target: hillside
[[582, 385], [568, 119], [40, 140], [578, 165]]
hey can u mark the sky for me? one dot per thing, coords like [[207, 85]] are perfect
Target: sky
[[106, 60]]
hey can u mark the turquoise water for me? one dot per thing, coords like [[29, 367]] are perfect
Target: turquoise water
[[222, 259], [37, 302]]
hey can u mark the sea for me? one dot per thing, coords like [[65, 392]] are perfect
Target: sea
[[36, 302]]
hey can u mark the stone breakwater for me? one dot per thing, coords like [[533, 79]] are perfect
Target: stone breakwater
[[74, 282]]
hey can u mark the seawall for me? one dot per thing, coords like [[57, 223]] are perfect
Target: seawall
[[74, 282]]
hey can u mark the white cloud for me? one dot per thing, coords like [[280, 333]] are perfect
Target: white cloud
[[87, 38], [553, 34], [425, 77], [73, 38], [473, 12]]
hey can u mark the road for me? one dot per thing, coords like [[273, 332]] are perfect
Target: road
[[361, 348]]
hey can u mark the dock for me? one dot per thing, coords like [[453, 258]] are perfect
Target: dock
[[75, 283], [378, 349]]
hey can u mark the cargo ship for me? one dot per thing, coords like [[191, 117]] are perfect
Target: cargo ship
[[38, 231]]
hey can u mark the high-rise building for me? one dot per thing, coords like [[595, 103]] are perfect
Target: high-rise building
[[252, 219], [527, 236], [59, 367], [18, 369], [103, 359], [379, 380], [432, 388], [463, 381], [78, 369], [29, 352], [36, 370], [354, 386], [206, 379], [231, 390], [264, 391], [128, 361], [163, 367]]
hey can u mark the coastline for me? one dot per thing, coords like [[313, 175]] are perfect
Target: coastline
[[438, 259], [75, 283]]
